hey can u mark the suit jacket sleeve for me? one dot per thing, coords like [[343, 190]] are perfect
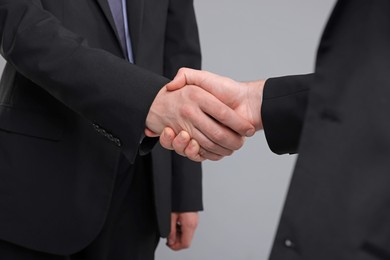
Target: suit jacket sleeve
[[283, 111], [182, 49], [79, 76]]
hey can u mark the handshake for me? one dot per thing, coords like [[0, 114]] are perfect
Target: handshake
[[203, 116]]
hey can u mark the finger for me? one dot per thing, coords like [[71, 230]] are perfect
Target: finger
[[172, 236], [209, 155], [180, 143], [220, 139], [186, 76], [204, 129], [215, 137], [226, 116], [189, 223], [150, 133], [197, 112], [185, 240], [186, 237], [167, 137], [192, 151], [177, 243], [211, 146], [218, 86]]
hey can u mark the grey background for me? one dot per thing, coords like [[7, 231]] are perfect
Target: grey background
[[243, 194]]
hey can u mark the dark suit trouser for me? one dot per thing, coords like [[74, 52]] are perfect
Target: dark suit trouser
[[130, 231]]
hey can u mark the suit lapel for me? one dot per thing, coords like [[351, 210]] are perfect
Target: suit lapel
[[107, 13], [135, 11]]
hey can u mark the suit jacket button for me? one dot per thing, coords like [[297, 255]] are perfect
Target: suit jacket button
[[289, 243], [117, 142]]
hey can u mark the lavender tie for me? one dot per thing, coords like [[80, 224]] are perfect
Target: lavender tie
[[118, 10]]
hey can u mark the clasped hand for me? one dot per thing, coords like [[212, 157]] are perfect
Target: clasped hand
[[205, 116]]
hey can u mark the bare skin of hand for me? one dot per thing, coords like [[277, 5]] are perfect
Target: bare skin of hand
[[202, 115], [183, 227], [244, 98], [181, 144]]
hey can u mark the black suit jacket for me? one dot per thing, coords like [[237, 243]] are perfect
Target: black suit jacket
[[70, 105], [338, 119]]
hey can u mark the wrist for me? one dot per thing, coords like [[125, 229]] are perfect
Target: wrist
[[153, 119], [254, 101]]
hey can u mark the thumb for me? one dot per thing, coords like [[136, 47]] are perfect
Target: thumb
[[172, 236], [179, 81], [203, 79]]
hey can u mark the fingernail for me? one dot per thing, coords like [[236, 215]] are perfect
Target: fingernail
[[170, 242], [250, 132]]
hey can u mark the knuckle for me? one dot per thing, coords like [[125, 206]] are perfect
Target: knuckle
[[194, 94], [183, 70], [209, 146], [166, 144], [237, 142], [178, 146], [223, 114], [219, 136], [186, 111], [240, 142]]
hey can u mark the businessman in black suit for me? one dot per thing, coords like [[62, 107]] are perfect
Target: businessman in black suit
[[338, 120], [77, 180]]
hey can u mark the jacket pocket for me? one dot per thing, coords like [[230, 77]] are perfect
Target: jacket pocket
[[30, 123]]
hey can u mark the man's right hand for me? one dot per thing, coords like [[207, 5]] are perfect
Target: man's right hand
[[217, 128], [243, 97]]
